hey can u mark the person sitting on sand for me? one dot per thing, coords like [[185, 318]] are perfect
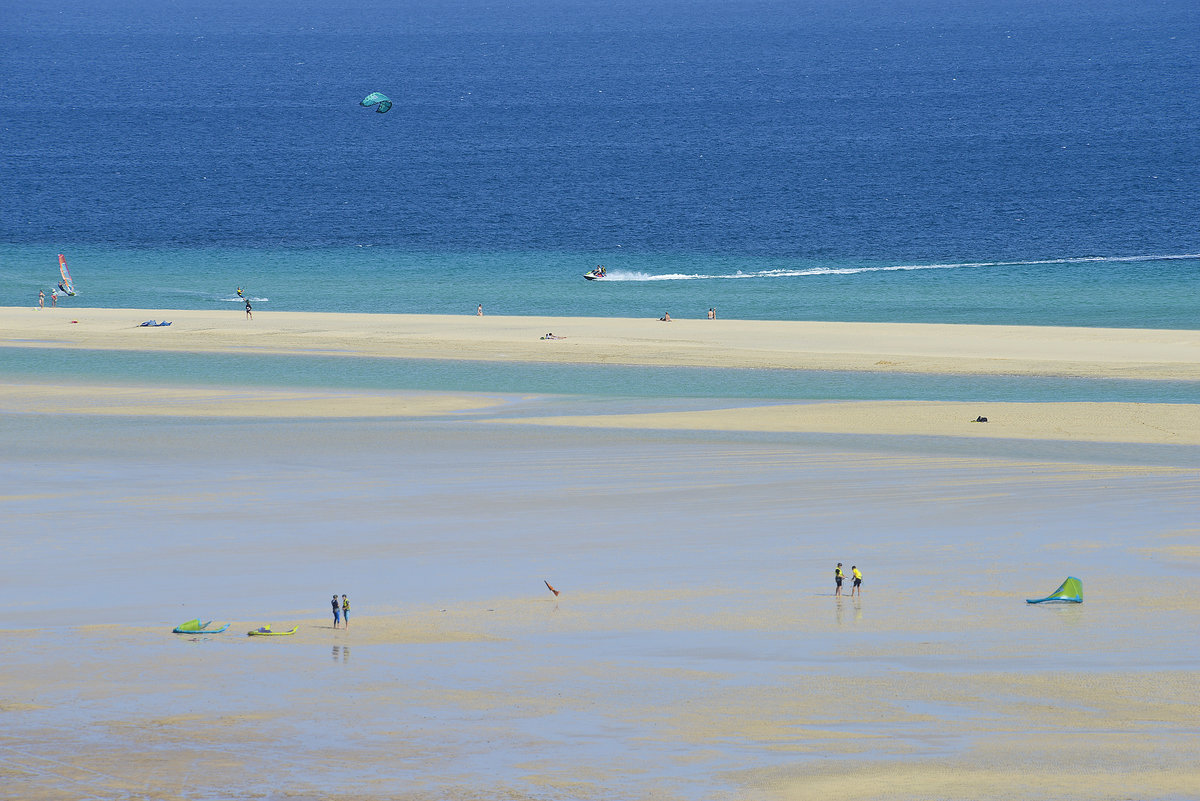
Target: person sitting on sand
[[666, 318]]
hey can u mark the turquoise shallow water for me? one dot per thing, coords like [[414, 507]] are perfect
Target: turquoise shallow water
[[1148, 291], [41, 363]]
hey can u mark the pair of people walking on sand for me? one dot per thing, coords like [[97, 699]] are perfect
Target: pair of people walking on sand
[[838, 576], [341, 611]]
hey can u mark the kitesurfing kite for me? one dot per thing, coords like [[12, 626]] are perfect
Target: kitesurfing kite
[[376, 97], [196, 627], [1069, 592], [551, 588]]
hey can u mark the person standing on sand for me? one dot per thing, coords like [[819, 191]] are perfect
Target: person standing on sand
[[337, 611], [249, 316], [345, 612], [479, 311], [54, 298], [41, 299], [837, 579], [857, 586]]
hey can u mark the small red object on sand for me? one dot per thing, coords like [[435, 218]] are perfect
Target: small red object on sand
[[74, 321], [551, 588]]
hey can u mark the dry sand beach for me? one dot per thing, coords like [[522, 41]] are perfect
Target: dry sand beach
[[697, 651], [953, 349]]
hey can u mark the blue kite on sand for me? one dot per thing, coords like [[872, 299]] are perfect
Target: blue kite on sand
[[153, 324], [1069, 592]]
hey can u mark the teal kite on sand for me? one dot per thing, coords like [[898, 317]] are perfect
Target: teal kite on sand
[[1069, 592], [376, 97]]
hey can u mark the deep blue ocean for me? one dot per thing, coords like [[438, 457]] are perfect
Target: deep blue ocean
[[1021, 161]]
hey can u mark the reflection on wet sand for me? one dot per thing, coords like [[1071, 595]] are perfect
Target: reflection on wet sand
[[839, 610]]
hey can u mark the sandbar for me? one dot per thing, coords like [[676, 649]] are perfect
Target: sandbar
[[797, 345], [1143, 423], [1138, 423], [162, 401]]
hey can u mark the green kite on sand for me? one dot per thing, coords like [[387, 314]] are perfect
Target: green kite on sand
[[195, 627], [1069, 592]]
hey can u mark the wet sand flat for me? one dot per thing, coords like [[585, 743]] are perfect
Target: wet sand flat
[[696, 651]]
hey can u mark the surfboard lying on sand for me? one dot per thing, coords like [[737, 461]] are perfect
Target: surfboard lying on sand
[[265, 631]]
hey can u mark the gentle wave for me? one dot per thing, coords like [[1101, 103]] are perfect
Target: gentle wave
[[633, 275]]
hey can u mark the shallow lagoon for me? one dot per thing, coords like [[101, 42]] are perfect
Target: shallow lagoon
[[696, 651], [608, 381]]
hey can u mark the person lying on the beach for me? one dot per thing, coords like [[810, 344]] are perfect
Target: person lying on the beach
[[551, 336]]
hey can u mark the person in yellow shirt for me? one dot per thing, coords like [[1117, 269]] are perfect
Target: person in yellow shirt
[[857, 588], [837, 579]]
